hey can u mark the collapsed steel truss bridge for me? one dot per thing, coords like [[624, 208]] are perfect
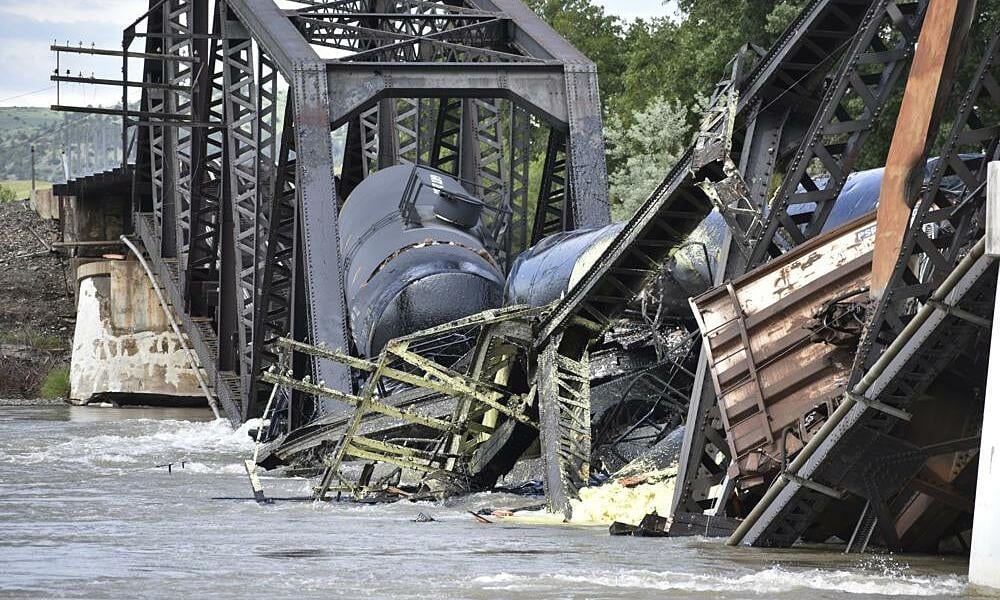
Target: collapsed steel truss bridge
[[236, 197]]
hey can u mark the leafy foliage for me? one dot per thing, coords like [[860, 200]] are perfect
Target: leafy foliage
[[56, 383], [597, 35], [19, 189], [653, 72], [7, 194], [645, 149]]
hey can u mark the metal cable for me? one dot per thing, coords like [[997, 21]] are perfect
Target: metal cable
[[192, 358]]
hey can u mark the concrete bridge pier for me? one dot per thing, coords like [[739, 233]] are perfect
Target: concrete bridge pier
[[984, 557], [124, 350]]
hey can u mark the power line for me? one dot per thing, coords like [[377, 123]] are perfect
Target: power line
[[51, 87]]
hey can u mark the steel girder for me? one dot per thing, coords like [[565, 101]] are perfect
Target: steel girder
[[680, 203], [477, 50], [862, 84], [446, 148], [319, 293], [262, 264], [940, 233], [469, 138], [225, 201], [278, 269], [551, 215], [142, 185], [241, 202], [201, 242], [516, 238], [778, 88], [161, 156], [181, 23], [853, 458], [781, 139]]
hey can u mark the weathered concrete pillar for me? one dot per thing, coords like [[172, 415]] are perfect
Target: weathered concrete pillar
[[984, 559], [45, 204], [123, 347]]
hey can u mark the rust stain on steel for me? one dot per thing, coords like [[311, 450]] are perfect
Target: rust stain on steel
[[767, 370], [944, 30]]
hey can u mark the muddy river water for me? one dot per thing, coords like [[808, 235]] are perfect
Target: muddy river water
[[87, 513]]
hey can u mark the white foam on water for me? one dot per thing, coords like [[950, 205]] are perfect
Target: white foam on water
[[143, 443], [612, 502], [768, 582]]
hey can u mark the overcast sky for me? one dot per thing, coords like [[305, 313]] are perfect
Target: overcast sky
[[29, 27]]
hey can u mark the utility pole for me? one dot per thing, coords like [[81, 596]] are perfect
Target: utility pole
[[65, 164], [32, 174]]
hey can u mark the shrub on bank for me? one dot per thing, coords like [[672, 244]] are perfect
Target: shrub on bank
[[7, 194]]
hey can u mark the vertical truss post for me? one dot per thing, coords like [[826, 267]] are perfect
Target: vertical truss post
[[266, 209], [267, 141], [426, 127], [448, 137], [242, 164], [278, 269], [352, 169], [180, 24], [564, 424], [518, 180], [160, 149], [482, 165], [408, 132], [489, 149], [469, 157], [370, 140], [321, 263], [587, 171], [142, 184], [388, 136], [552, 215], [203, 251]]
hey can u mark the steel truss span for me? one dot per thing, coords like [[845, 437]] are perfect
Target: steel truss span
[[256, 122]]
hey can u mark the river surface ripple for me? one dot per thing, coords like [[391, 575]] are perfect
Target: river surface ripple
[[86, 513]]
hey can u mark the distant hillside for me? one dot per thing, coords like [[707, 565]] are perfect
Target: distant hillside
[[18, 118], [92, 143]]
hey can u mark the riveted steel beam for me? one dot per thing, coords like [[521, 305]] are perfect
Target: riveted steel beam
[[325, 317], [942, 41]]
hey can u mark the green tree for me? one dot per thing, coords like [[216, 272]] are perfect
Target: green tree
[[597, 35], [680, 60], [649, 70], [646, 148]]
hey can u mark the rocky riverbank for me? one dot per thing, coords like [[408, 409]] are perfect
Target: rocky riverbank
[[36, 305]]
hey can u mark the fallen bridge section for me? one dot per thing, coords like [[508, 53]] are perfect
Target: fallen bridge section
[[855, 451]]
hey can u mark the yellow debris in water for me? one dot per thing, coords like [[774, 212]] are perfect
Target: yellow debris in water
[[612, 501]]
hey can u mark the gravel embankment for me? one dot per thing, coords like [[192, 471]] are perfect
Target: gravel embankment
[[36, 307]]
